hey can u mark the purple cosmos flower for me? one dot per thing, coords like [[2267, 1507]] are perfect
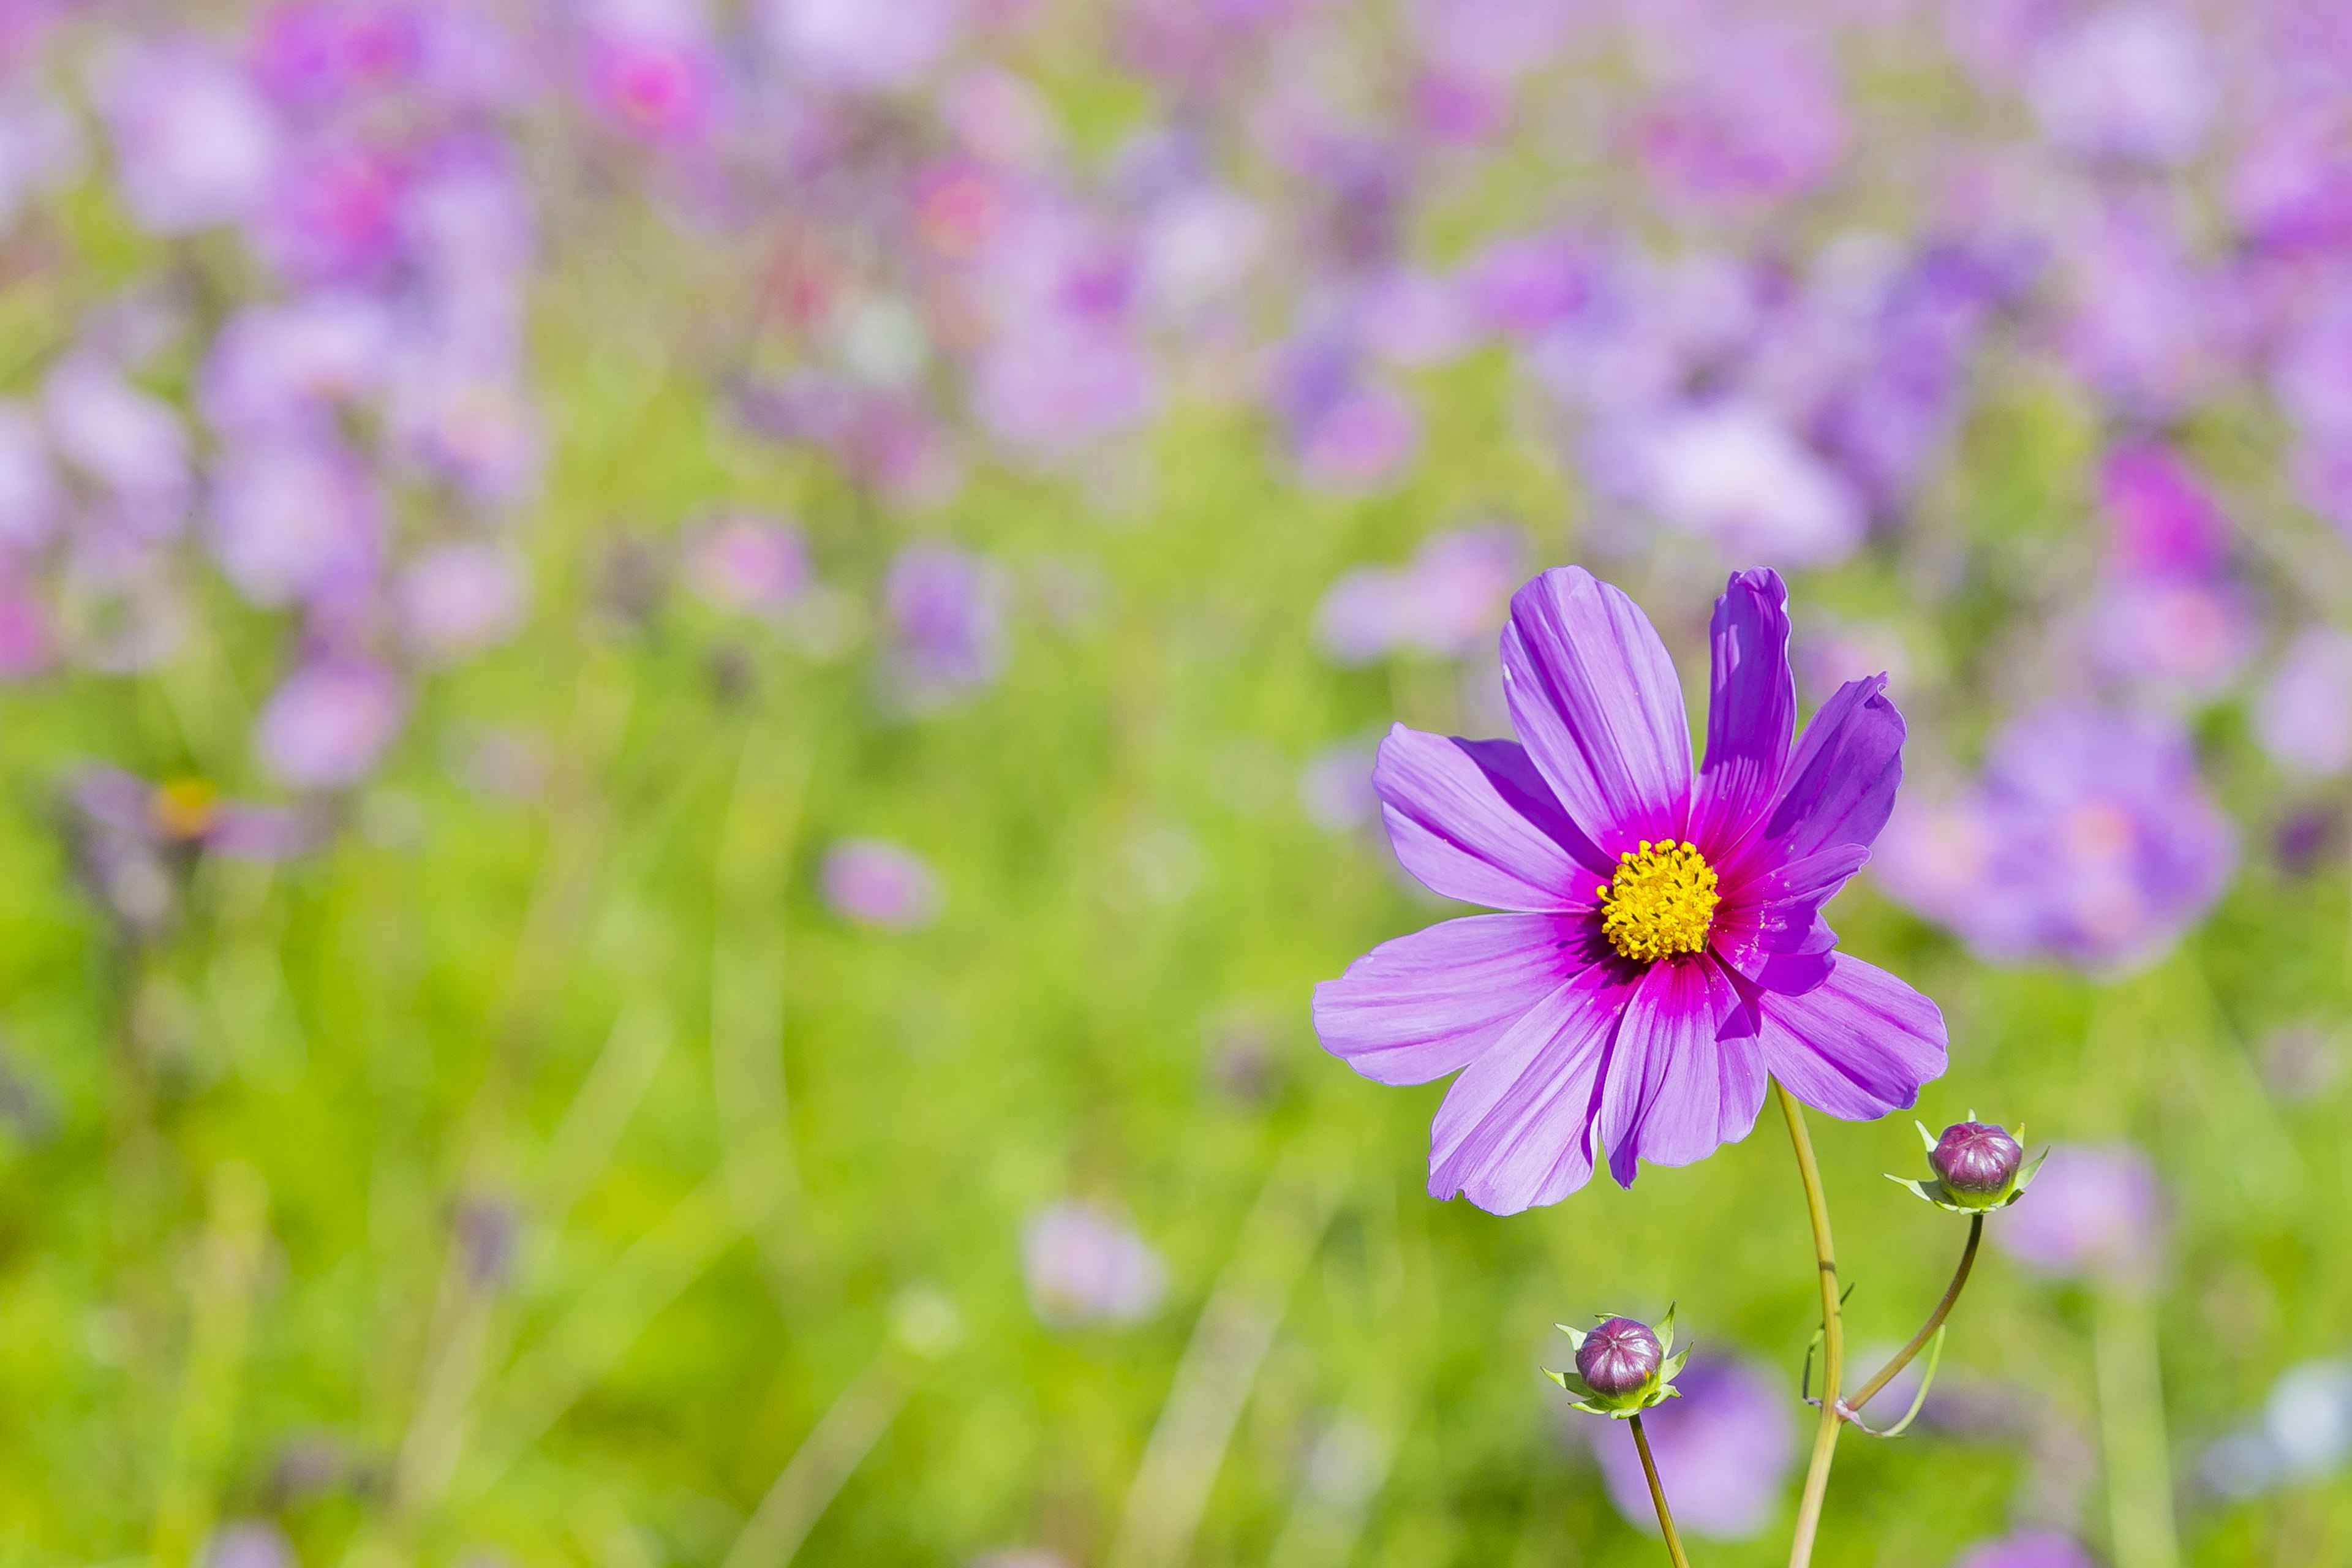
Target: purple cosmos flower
[[1083, 1265], [325, 727], [455, 600], [332, 213], [2095, 1209], [249, 1544], [2129, 82], [189, 813], [1665, 949], [1448, 601], [130, 441], [1734, 474], [1724, 1451], [1756, 115], [651, 72], [294, 520], [879, 884], [2088, 840], [945, 607], [31, 500], [749, 564], [853, 44], [194, 145], [2303, 715], [2029, 1548]]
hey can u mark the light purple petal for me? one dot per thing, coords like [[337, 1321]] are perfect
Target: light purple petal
[[1515, 1129], [1779, 910], [1475, 821], [1429, 1003], [1684, 1075], [1751, 710], [1593, 696], [1857, 1045], [1840, 785]]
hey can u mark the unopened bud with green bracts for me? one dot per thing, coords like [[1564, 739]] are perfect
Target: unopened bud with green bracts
[[1623, 1367], [1975, 1166]]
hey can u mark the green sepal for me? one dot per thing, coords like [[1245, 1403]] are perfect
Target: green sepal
[[1665, 1332], [1575, 1336]]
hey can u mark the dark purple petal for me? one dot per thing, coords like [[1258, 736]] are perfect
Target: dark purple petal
[[1429, 1003], [1475, 821], [1515, 1129], [1684, 1075], [1593, 696], [1751, 710], [1840, 785], [1857, 1045]]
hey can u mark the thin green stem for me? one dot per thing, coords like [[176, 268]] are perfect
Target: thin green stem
[[1658, 1497], [1825, 1437], [1904, 1356]]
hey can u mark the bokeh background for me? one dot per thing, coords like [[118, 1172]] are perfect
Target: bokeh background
[[689, 691]]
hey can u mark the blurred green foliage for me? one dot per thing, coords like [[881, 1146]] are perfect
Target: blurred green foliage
[[251, 1223]]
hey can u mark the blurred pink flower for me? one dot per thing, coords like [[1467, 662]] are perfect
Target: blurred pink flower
[[2094, 1210], [2303, 715], [329, 723], [876, 883], [1724, 1452], [294, 520], [194, 144], [455, 600], [2028, 1549], [861, 46], [747, 563], [1084, 1267], [1449, 600], [2130, 81]]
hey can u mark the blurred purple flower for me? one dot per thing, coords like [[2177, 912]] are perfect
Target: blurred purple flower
[[2088, 840], [651, 71], [2163, 519], [2145, 323], [879, 884], [945, 607], [1448, 600], [40, 144], [1724, 1452], [195, 145], [1335, 788], [285, 368], [130, 441], [1084, 1267], [2129, 81], [856, 44], [2097, 1210], [327, 725], [189, 813], [2028, 1549], [2187, 636], [1051, 384], [295, 521], [1754, 114], [455, 600], [1734, 474], [31, 500], [249, 1544], [332, 212], [2303, 715], [747, 563], [318, 55]]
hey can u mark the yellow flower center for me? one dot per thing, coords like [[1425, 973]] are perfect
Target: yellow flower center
[[1660, 902], [182, 809]]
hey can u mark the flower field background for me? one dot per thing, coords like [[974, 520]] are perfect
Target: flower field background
[[689, 704]]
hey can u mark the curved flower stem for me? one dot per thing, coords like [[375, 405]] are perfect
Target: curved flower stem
[[1825, 1437], [1658, 1497], [1903, 1357]]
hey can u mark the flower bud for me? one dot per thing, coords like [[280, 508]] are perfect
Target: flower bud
[[1620, 1357], [1975, 1160]]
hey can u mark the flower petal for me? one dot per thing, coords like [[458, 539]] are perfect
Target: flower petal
[[1427, 1005], [1779, 910], [1684, 1075], [1751, 710], [1475, 821], [1840, 785], [1857, 1045], [1593, 696], [1515, 1129]]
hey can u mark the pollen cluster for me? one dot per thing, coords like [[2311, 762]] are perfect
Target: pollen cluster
[[1660, 902]]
